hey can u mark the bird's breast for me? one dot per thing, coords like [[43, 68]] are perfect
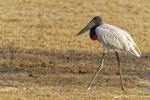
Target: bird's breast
[[100, 34]]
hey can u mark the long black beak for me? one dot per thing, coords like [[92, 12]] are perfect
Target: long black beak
[[87, 27]]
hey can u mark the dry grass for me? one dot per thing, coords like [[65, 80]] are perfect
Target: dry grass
[[40, 57]]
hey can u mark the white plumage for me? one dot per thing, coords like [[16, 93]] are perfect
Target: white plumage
[[112, 38], [116, 38]]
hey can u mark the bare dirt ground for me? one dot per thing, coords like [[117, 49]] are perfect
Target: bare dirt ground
[[40, 57]]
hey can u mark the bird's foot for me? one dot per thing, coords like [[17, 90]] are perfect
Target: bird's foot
[[88, 88], [124, 91]]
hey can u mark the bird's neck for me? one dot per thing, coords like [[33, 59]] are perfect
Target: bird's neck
[[93, 35]]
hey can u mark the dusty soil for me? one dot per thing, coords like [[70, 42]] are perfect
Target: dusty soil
[[40, 57]]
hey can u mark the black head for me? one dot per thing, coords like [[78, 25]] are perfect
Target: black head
[[94, 22], [97, 20]]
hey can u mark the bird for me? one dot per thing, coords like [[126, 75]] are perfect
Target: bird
[[111, 37]]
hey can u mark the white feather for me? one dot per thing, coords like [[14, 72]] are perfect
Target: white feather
[[116, 38]]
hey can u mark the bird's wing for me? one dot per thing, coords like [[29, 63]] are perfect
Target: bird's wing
[[118, 39]]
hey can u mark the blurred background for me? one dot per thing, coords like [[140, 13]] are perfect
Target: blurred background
[[38, 47]]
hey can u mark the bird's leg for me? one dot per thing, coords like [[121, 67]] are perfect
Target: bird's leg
[[99, 68], [120, 71]]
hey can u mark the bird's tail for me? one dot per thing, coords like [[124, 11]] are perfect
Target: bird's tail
[[135, 50]]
